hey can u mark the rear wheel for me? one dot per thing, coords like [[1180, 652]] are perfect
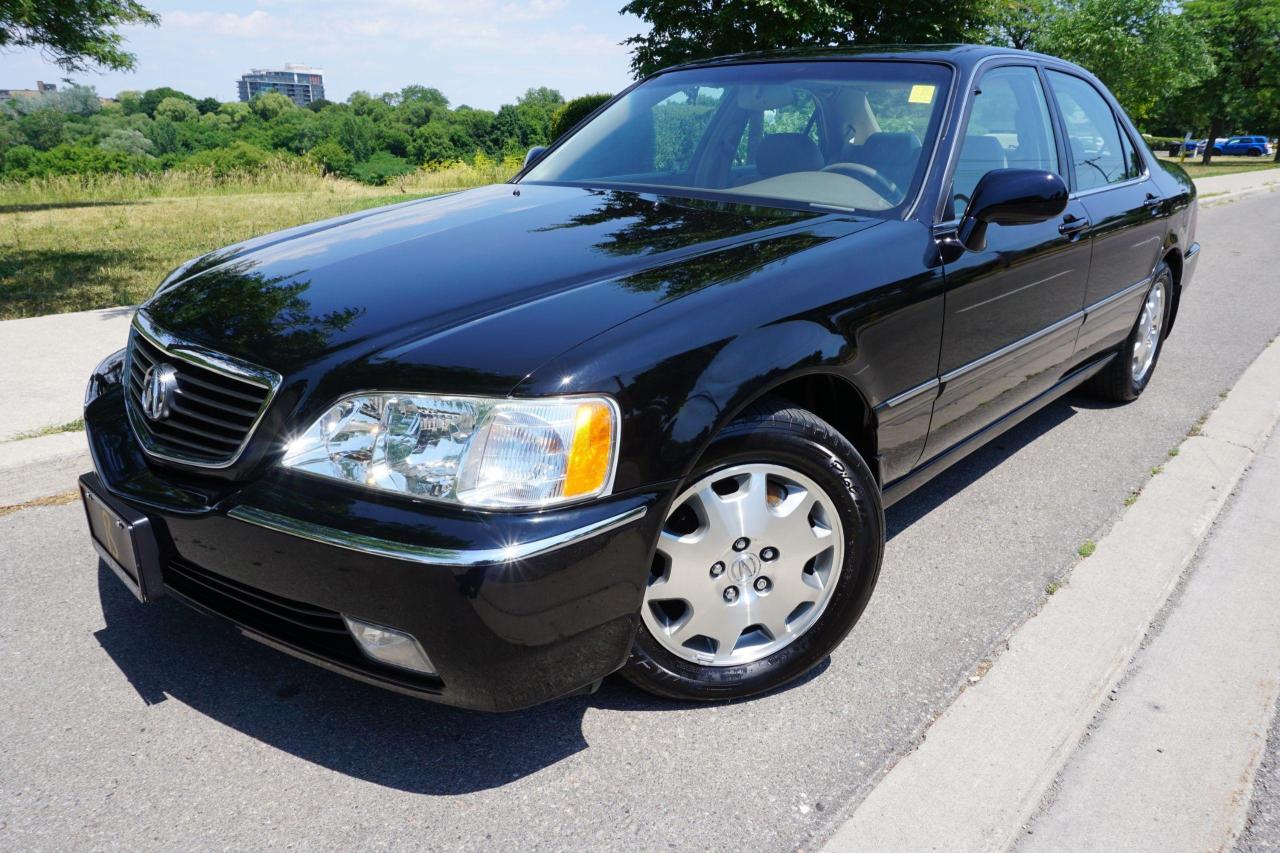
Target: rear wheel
[[766, 559], [1127, 375]]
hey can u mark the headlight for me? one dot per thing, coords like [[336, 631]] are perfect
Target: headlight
[[495, 453], [108, 372]]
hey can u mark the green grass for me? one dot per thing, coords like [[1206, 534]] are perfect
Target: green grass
[[76, 243], [1087, 549], [70, 426], [1223, 165]]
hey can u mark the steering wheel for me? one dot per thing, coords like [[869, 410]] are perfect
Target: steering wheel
[[882, 186]]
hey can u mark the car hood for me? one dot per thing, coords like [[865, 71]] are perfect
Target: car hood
[[469, 292]]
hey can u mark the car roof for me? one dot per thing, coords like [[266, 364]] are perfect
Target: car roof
[[963, 56]]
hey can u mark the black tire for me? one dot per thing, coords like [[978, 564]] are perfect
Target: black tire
[[1116, 383], [775, 432]]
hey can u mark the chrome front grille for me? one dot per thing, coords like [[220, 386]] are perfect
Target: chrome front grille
[[214, 407]]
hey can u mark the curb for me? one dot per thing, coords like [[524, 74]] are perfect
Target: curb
[[34, 468], [1227, 198], [986, 763]]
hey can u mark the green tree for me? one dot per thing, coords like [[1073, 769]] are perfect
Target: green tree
[[126, 141], [208, 105], [381, 168], [682, 30], [1244, 40], [1142, 49], [152, 98], [130, 102], [177, 109], [356, 134], [270, 105], [332, 158], [76, 34], [574, 111], [1020, 23], [42, 129]]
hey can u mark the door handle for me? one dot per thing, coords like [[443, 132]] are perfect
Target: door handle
[[1072, 223], [1152, 202]]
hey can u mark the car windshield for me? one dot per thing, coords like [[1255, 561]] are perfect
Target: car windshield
[[850, 135]]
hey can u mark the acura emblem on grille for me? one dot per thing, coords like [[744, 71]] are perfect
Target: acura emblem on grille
[[158, 388]]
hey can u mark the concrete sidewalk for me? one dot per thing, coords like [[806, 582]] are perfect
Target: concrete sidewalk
[[47, 363], [1205, 696], [1222, 188], [1168, 763]]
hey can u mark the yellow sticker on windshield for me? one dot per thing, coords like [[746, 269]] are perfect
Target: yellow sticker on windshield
[[921, 93]]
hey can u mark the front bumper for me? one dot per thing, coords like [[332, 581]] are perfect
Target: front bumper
[[512, 609]]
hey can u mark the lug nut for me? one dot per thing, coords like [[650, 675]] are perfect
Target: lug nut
[[741, 544], [717, 569], [731, 594], [769, 554], [762, 584]]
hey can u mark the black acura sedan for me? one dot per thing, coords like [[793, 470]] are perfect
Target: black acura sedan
[[642, 407]]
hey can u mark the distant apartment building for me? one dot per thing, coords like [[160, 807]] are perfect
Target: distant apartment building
[[40, 89], [300, 83]]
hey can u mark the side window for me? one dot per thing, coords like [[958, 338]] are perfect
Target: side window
[[1101, 154], [1132, 160], [1008, 128], [679, 121]]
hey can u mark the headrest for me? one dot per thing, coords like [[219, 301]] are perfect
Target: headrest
[[780, 153], [884, 147], [758, 98], [985, 149]]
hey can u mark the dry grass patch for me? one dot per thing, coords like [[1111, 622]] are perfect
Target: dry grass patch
[[77, 243]]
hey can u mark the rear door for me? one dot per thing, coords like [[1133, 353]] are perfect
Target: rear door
[[1126, 212], [1013, 309]]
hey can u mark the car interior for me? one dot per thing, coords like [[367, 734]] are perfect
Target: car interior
[[848, 144]]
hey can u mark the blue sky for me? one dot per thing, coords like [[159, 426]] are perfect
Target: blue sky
[[478, 52]]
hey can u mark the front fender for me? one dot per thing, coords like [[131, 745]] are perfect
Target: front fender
[[866, 311]]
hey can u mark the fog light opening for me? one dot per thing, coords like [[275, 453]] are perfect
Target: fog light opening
[[386, 645]]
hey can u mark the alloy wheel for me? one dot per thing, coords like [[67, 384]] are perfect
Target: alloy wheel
[[1150, 322], [746, 563]]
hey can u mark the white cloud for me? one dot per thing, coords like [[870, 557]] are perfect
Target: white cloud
[[256, 24]]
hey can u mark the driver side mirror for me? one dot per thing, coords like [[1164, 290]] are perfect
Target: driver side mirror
[[1010, 197], [534, 153]]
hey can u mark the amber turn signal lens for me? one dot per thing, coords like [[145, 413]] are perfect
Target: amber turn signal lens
[[589, 457]]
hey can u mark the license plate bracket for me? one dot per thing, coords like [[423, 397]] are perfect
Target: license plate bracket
[[124, 539]]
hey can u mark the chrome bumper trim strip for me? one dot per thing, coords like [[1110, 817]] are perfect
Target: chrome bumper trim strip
[[425, 554]]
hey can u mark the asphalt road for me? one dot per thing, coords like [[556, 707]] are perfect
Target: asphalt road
[[1262, 827], [152, 727]]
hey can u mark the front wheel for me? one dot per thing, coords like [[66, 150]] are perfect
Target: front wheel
[[766, 559], [1129, 372]]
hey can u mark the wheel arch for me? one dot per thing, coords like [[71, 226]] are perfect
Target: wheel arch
[[1173, 257], [830, 395]]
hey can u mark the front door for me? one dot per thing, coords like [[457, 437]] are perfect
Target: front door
[[1124, 207], [1013, 309]]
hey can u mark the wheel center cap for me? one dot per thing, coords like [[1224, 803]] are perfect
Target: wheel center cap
[[744, 568]]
